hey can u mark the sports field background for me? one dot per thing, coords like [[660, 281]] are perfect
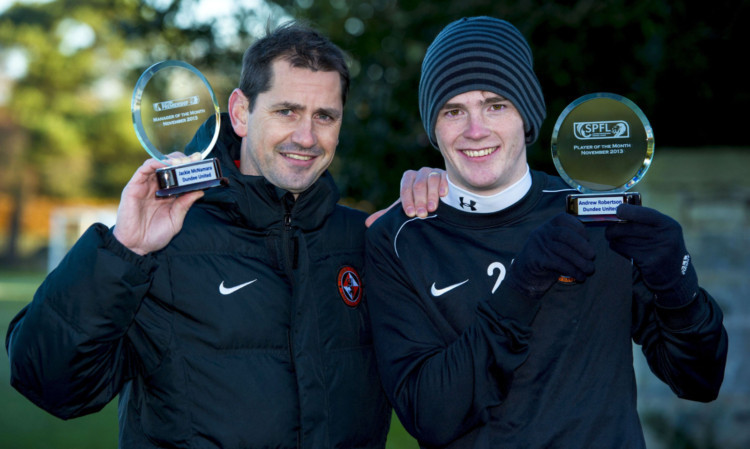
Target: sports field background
[[25, 426]]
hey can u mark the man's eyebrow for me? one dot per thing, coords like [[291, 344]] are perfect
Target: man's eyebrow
[[494, 99], [489, 100], [333, 113], [453, 106], [287, 105]]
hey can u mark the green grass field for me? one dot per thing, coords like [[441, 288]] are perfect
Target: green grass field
[[22, 424], [25, 426]]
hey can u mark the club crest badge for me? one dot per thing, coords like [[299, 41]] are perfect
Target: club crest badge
[[350, 286]]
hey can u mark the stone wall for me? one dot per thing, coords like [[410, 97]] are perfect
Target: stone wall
[[708, 192]]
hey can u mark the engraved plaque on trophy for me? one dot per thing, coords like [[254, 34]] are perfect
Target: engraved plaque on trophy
[[602, 145], [171, 101]]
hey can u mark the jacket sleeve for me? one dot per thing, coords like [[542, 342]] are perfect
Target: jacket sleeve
[[67, 349], [441, 384], [685, 346]]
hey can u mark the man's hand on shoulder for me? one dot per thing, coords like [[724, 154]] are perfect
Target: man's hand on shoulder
[[420, 192]]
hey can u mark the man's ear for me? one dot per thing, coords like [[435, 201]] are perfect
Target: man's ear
[[238, 107]]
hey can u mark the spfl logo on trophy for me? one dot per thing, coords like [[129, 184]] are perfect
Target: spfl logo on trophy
[[602, 145]]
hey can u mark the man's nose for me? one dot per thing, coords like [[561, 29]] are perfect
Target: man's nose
[[476, 127], [304, 134]]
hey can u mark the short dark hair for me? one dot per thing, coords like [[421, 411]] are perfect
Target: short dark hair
[[300, 45]]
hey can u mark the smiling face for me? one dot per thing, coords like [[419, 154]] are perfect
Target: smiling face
[[482, 139], [290, 134]]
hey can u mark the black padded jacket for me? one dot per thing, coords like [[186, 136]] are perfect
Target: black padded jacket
[[249, 330]]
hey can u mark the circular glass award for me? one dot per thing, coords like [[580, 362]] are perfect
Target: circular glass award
[[602, 145], [171, 102]]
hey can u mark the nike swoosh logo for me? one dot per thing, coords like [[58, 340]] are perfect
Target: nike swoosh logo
[[441, 291], [229, 290]]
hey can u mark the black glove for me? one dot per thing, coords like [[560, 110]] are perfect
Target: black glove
[[655, 244], [558, 247]]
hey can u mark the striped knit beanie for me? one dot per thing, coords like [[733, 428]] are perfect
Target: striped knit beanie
[[480, 53]]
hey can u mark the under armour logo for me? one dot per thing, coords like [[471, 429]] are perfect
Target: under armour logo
[[470, 204], [685, 264]]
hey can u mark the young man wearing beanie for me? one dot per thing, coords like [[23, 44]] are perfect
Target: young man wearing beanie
[[482, 339]]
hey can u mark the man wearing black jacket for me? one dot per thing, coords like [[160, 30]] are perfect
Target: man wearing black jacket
[[231, 318], [500, 322]]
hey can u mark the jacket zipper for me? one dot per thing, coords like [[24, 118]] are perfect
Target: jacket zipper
[[285, 244], [288, 244], [288, 249]]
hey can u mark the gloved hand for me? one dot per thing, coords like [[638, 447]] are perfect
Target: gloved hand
[[558, 247], [655, 243]]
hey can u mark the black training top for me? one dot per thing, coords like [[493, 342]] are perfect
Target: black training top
[[470, 363]]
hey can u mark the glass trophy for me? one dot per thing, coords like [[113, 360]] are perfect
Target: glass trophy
[[171, 101], [602, 145]]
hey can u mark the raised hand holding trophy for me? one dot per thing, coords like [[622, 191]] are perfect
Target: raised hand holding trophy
[[602, 145], [171, 101]]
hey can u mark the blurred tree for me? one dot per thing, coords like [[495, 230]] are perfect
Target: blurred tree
[[71, 102], [13, 141]]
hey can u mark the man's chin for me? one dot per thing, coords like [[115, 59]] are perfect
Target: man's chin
[[297, 186]]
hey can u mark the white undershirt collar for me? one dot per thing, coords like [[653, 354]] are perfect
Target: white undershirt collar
[[471, 202]]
